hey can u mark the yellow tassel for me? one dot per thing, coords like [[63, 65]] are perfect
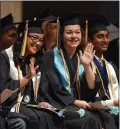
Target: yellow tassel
[[86, 32], [24, 40], [58, 23]]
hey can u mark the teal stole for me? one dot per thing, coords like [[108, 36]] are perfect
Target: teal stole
[[60, 69]]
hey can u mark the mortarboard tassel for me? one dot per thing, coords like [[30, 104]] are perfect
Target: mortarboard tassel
[[86, 33], [58, 25], [24, 40]]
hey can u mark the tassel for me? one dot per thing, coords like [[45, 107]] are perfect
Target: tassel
[[86, 32], [24, 40], [58, 23]]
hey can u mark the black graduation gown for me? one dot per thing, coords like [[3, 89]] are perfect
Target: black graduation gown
[[3, 123], [103, 97], [36, 117], [113, 48], [52, 92]]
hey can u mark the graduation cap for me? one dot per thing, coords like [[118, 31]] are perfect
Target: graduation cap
[[100, 22], [48, 14], [97, 23], [101, 19], [6, 23], [74, 18], [34, 26]]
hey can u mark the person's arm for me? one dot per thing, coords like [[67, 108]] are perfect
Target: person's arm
[[6, 82], [86, 58], [90, 76], [81, 104], [110, 103]]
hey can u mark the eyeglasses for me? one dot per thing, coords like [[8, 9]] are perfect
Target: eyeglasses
[[35, 38]]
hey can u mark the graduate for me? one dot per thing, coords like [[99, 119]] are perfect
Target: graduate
[[8, 35], [19, 70], [50, 33], [108, 91], [8, 32], [67, 78], [49, 28]]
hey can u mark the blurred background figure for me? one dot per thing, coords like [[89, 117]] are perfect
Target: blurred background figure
[[49, 28], [112, 53], [113, 46]]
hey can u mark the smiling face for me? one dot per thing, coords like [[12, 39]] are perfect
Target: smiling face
[[72, 36], [34, 43], [100, 40]]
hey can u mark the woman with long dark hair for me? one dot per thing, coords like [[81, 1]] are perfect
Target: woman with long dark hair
[[19, 70]]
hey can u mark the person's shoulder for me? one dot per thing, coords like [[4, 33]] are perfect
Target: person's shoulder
[[111, 63], [4, 57], [47, 54], [3, 53]]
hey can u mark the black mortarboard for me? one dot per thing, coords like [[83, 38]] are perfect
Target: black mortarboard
[[101, 19], [100, 22], [97, 23], [50, 18], [6, 23], [48, 14], [34, 26], [73, 19]]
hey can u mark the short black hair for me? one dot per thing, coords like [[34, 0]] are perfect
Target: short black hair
[[95, 28], [9, 27]]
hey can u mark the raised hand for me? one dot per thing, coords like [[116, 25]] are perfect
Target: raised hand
[[32, 68], [87, 56], [31, 72]]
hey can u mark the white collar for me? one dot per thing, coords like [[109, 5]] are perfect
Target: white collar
[[99, 59]]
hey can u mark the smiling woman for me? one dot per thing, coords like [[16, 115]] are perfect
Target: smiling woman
[[64, 82], [24, 74], [72, 37]]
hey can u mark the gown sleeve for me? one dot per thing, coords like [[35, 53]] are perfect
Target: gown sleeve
[[86, 93], [5, 80], [116, 70]]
